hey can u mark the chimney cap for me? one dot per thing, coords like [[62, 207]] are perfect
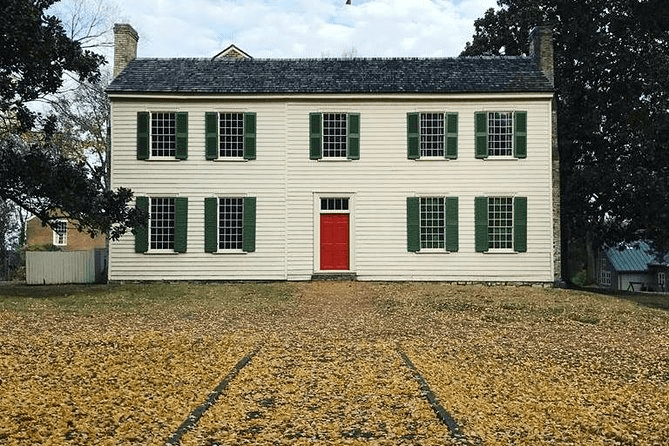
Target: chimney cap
[[125, 28]]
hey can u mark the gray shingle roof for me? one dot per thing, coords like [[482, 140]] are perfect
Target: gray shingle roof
[[281, 76]]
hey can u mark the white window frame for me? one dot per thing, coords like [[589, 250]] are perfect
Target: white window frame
[[151, 221], [317, 227], [60, 239], [221, 154], [491, 248], [661, 278], [490, 119], [604, 272], [324, 154], [423, 156], [218, 225], [420, 221], [151, 136]]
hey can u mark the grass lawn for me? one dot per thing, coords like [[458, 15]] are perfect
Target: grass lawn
[[127, 364]]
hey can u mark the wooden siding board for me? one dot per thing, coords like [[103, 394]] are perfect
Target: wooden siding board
[[284, 180]]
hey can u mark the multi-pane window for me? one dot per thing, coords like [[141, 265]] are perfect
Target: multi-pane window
[[60, 233], [161, 225], [500, 134], [334, 135], [604, 273], [432, 223], [334, 204], [661, 279], [230, 223], [163, 134], [500, 222], [231, 134], [431, 134]]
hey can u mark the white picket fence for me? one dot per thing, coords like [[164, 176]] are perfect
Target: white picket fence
[[48, 268]]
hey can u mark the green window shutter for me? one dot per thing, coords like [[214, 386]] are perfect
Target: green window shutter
[[413, 224], [413, 136], [180, 224], [451, 135], [520, 134], [452, 224], [481, 134], [211, 135], [315, 136], [249, 136], [354, 136], [210, 224], [142, 232], [481, 224], [143, 140], [520, 224], [182, 135], [249, 225]]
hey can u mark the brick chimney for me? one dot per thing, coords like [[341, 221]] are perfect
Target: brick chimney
[[541, 48], [125, 46]]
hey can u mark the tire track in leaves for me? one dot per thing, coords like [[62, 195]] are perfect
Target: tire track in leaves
[[195, 415], [306, 389]]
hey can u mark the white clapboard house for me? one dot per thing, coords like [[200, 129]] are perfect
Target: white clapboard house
[[438, 169]]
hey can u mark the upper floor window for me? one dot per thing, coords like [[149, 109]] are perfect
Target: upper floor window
[[60, 233], [162, 135], [230, 135], [501, 134], [432, 135], [334, 136]]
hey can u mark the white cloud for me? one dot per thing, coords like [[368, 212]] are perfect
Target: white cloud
[[303, 28]]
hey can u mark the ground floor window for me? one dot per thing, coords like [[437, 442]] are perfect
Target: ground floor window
[[161, 227], [500, 222], [604, 273], [230, 223], [661, 279], [432, 223]]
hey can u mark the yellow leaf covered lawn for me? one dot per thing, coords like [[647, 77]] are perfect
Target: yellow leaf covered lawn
[[126, 365]]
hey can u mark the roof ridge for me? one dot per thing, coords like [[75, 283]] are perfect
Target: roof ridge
[[300, 59]]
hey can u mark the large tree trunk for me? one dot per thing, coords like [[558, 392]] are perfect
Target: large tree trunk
[[591, 258]]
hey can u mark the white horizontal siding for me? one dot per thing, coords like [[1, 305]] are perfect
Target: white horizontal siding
[[197, 178], [284, 180]]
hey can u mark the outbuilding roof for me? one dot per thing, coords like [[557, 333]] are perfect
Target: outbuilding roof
[[325, 76], [632, 258]]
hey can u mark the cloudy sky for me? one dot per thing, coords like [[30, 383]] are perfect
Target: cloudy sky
[[302, 28]]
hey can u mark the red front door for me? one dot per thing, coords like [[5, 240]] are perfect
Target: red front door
[[334, 242]]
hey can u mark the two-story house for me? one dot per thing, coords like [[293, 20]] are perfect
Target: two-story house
[[382, 169]]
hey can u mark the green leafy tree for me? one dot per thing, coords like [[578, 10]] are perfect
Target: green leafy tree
[[612, 96], [35, 171]]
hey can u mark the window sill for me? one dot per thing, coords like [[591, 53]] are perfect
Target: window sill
[[229, 160], [434, 251], [434, 158], [163, 160], [334, 160], [161, 253], [501, 251], [229, 252], [501, 158]]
